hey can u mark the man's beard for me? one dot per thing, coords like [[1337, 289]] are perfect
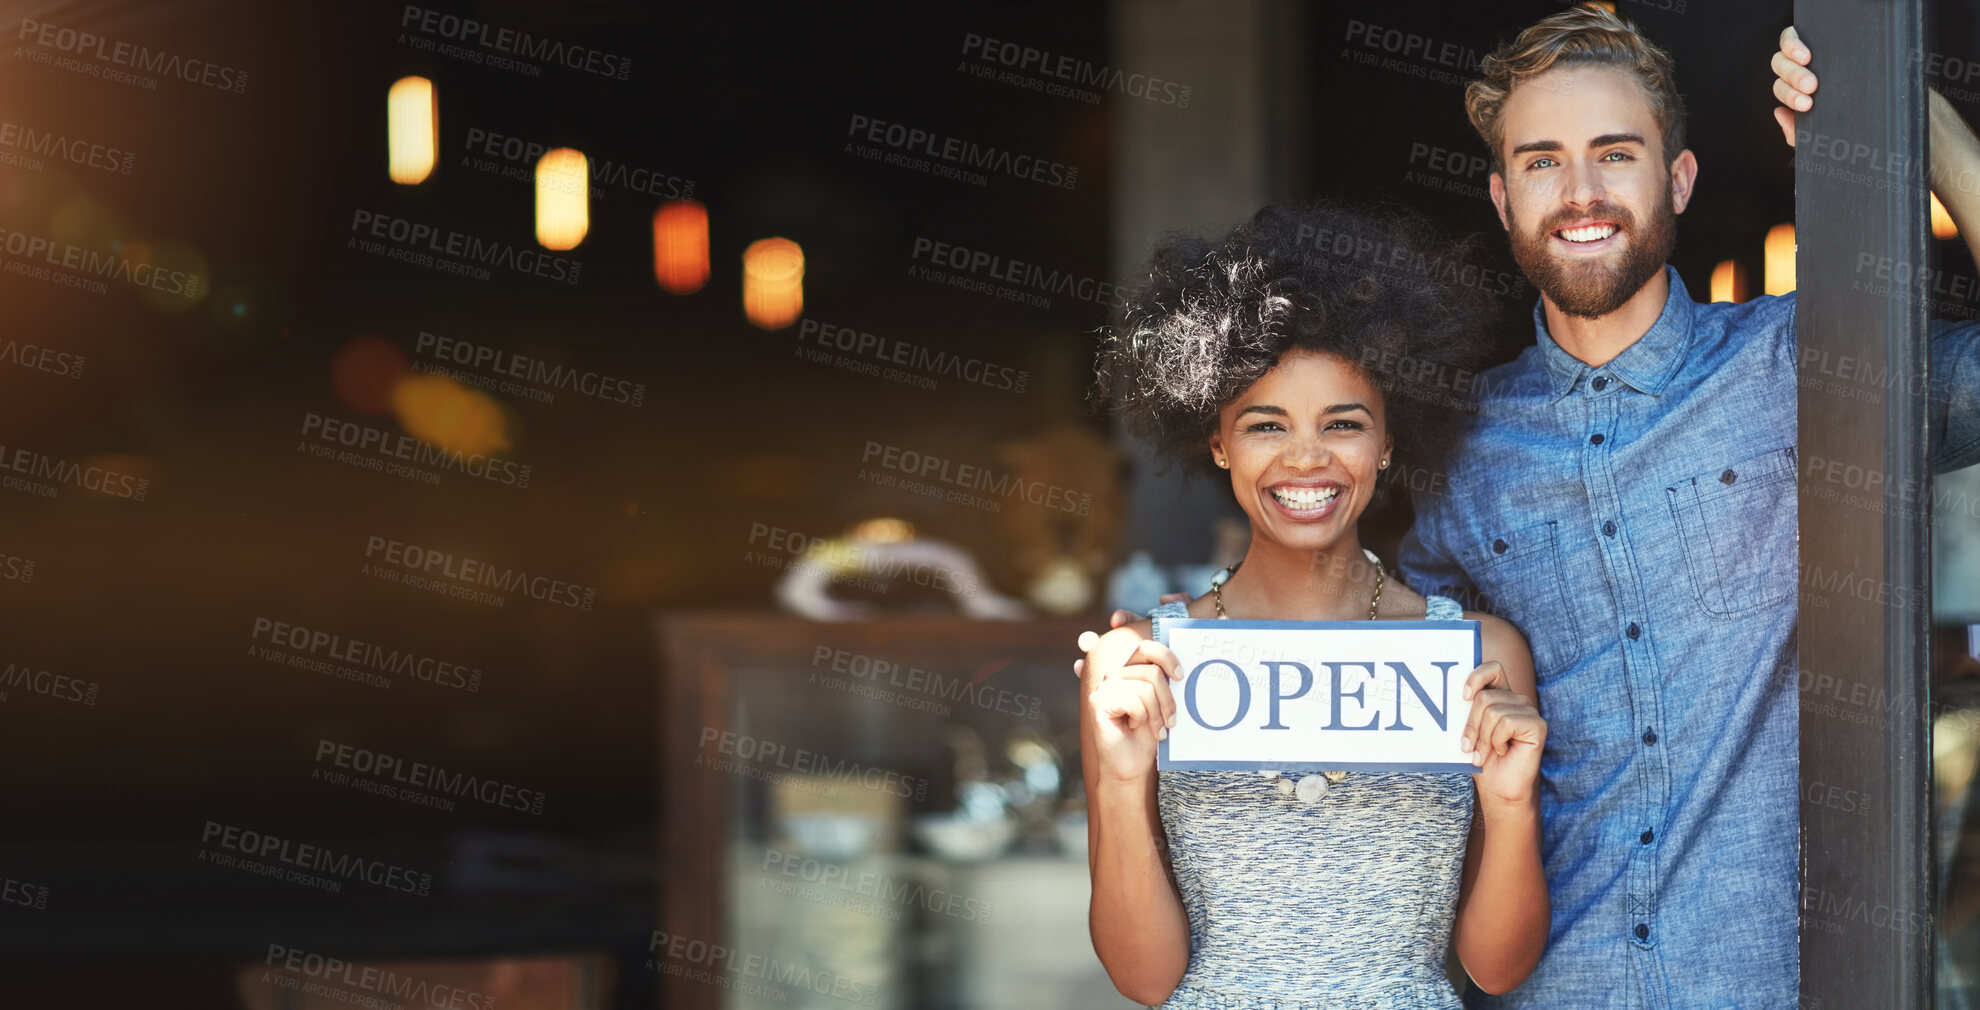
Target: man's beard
[[1595, 289]]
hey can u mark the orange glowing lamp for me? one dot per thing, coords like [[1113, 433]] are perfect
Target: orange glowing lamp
[[1779, 275], [773, 283], [1729, 282], [412, 130], [680, 246], [1942, 222], [563, 199]]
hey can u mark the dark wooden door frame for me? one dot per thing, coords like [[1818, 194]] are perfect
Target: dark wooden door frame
[[1860, 213]]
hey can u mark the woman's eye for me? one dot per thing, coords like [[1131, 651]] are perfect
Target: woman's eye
[[1265, 426], [1347, 425]]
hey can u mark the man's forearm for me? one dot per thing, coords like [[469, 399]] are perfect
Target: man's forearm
[[1955, 167]]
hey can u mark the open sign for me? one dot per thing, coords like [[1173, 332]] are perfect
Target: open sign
[[1297, 696]]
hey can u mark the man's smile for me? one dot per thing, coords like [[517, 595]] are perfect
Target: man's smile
[[1588, 236]]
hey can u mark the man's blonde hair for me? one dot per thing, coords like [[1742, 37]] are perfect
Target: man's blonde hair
[[1585, 35]]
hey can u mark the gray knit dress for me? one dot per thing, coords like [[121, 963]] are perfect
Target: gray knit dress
[[1341, 904]]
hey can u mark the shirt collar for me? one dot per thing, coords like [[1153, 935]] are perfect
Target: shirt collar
[[1646, 365]]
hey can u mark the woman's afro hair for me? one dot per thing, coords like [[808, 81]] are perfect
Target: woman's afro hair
[[1378, 289]]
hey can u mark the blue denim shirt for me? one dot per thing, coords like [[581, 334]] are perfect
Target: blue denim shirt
[[1637, 522]]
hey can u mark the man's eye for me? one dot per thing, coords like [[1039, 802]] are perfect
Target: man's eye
[[1618, 156], [1541, 163]]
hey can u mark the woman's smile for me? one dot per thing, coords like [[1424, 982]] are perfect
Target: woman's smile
[[1307, 499]]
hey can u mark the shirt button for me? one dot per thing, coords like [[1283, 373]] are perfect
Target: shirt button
[[1601, 383], [1632, 631], [1642, 931], [1650, 737], [1595, 439], [1608, 529], [1647, 837], [1498, 546]]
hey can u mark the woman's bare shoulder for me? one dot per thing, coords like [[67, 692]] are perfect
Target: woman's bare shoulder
[[1401, 603]]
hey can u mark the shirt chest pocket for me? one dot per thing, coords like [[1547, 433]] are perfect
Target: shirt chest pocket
[[1737, 525], [1524, 582]]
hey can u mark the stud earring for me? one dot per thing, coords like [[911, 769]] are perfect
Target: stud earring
[[1385, 464], [1226, 464]]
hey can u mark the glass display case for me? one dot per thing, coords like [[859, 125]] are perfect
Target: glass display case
[[883, 814]]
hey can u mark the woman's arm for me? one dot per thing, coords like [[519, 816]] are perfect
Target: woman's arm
[[1503, 914], [1137, 920]]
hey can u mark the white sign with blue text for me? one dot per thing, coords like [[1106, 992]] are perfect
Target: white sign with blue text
[[1370, 696]]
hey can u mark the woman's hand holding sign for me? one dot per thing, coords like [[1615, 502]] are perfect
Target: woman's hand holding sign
[[1504, 735], [1132, 704]]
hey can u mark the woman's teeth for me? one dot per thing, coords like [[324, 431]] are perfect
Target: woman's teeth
[[1591, 233], [1304, 498]]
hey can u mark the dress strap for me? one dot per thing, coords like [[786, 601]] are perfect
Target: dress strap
[[1442, 608], [1167, 611]]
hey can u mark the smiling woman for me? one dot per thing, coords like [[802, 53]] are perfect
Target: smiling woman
[[1304, 354]]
